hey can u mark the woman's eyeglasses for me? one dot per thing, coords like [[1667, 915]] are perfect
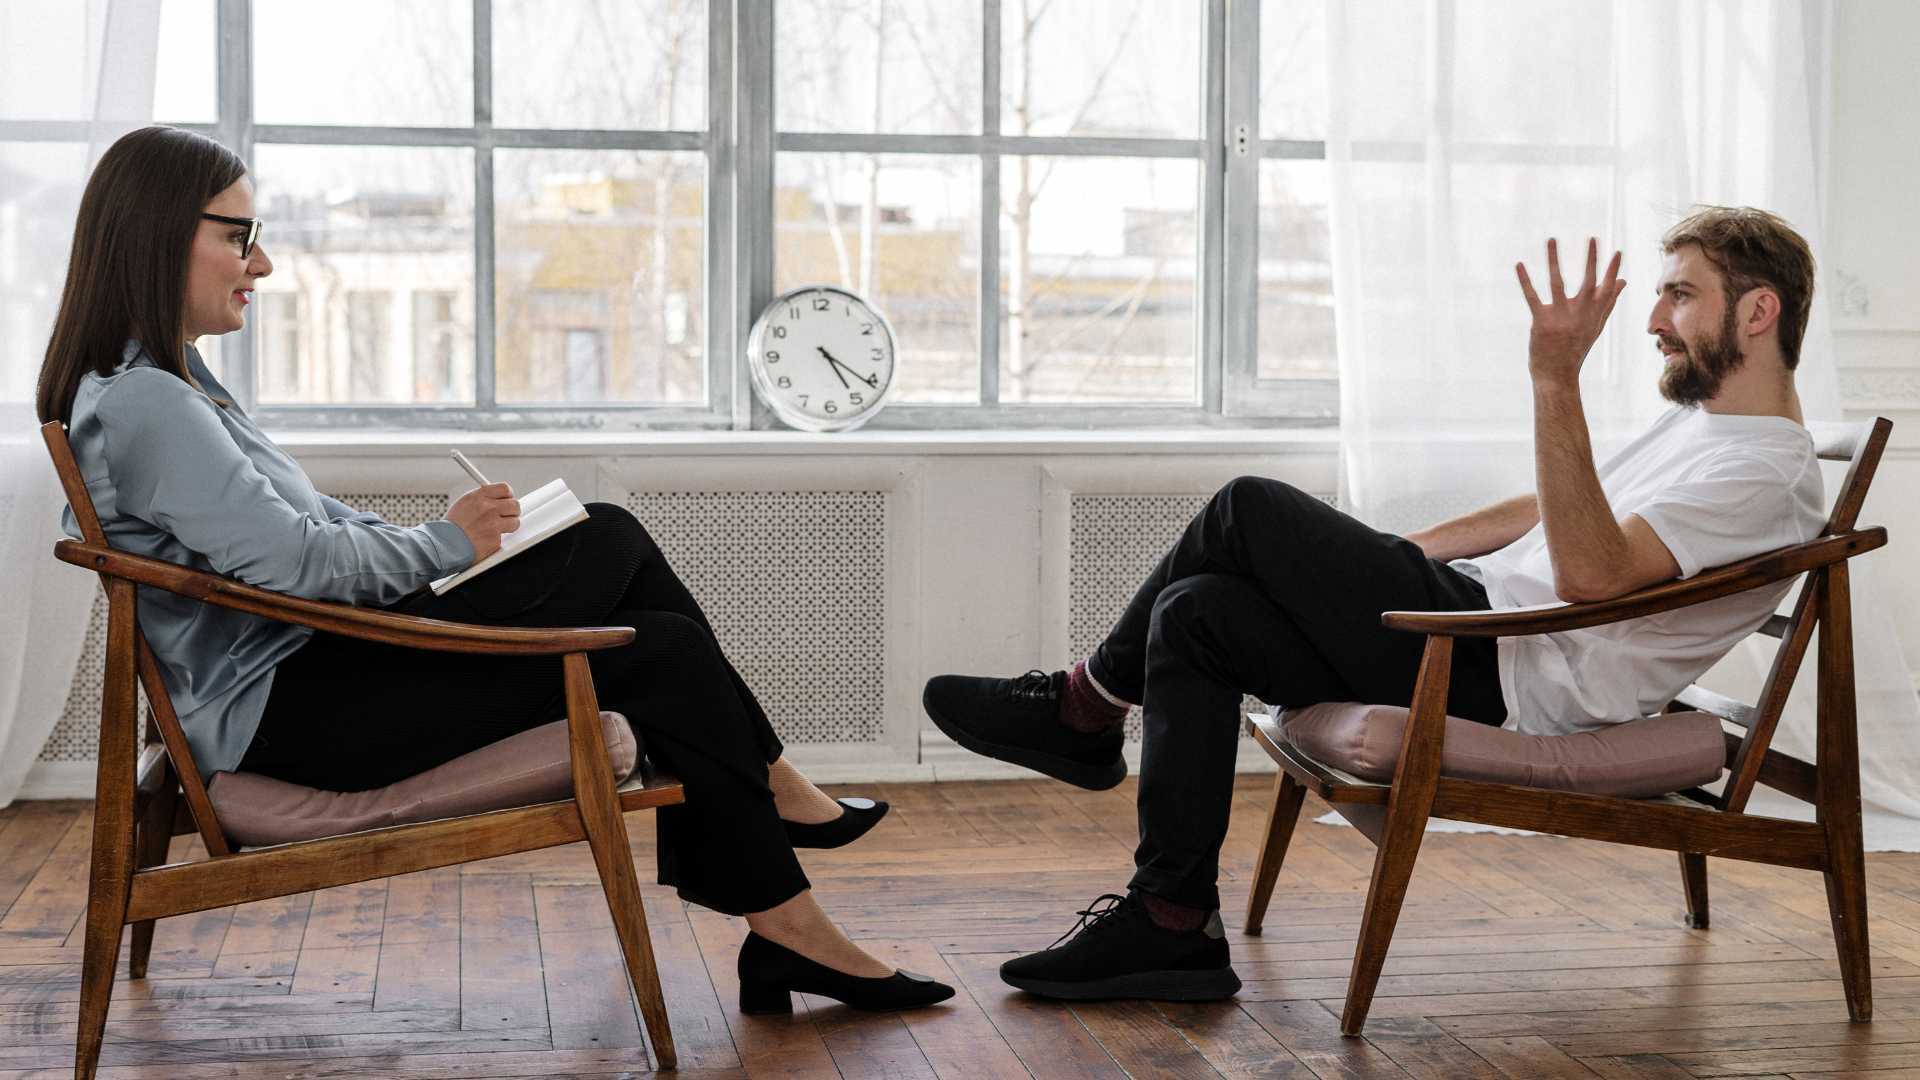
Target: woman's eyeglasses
[[253, 230]]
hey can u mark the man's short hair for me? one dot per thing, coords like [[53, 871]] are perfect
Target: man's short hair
[[1753, 248]]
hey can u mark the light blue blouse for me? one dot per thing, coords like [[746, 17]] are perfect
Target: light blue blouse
[[176, 477]]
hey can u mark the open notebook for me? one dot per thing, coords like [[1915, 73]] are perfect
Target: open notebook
[[543, 512]]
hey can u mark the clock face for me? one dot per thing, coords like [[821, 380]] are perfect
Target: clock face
[[822, 359]]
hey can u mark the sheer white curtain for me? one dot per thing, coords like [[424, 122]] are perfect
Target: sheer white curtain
[[88, 69], [1461, 136]]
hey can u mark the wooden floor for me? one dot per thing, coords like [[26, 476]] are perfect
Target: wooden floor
[[1516, 956]]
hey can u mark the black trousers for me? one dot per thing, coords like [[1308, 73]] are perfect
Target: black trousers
[[347, 715], [1269, 592]]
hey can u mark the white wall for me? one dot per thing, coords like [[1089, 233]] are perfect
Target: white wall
[[1872, 266]]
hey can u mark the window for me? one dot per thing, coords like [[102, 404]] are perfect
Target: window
[[371, 371], [282, 344], [568, 212]]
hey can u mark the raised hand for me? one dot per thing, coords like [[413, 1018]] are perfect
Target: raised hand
[[1565, 328]]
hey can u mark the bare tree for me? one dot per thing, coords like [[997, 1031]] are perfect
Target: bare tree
[[1022, 362]]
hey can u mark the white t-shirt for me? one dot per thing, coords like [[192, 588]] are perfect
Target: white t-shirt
[[1715, 489]]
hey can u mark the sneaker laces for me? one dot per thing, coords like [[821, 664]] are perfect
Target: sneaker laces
[[1035, 685], [1093, 915]]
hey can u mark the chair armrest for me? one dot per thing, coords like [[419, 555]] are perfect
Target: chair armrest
[[1666, 596], [436, 635]]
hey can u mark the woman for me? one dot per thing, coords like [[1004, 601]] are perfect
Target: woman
[[165, 251]]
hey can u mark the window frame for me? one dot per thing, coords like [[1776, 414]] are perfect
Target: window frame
[[740, 145]]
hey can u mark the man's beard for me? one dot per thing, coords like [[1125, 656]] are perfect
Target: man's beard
[[1694, 374]]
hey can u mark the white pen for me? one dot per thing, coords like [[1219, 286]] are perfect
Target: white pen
[[460, 459]]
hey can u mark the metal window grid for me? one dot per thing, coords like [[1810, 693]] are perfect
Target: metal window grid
[[740, 144]]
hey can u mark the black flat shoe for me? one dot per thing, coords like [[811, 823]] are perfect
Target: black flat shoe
[[856, 817], [770, 974]]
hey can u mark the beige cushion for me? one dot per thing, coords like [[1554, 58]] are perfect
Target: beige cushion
[[1637, 759], [531, 767]]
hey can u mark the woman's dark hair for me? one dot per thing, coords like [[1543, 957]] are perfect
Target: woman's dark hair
[[127, 274]]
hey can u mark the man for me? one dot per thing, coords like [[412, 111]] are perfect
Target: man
[[1271, 592]]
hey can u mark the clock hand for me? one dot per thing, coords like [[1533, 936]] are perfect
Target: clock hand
[[871, 380], [835, 366]]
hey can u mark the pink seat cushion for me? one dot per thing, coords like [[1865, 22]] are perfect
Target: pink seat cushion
[[1637, 759], [531, 767]]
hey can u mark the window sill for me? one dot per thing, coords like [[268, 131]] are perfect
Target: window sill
[[1278, 441]]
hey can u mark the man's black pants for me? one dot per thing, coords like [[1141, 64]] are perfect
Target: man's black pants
[[1269, 592]]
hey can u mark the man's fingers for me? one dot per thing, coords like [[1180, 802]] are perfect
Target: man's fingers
[[1593, 263], [1526, 286], [1613, 272], [1554, 280], [1613, 297]]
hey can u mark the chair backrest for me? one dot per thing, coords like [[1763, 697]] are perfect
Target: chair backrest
[[162, 721], [1860, 445]]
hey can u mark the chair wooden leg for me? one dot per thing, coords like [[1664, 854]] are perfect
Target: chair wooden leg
[[150, 849], [612, 856], [110, 875], [1693, 880], [1837, 797], [1392, 870], [1281, 818], [1415, 780]]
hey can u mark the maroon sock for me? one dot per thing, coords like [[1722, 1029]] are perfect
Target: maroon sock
[[1083, 708], [1171, 916]]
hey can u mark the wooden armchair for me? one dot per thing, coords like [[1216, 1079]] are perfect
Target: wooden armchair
[[143, 790], [1694, 823]]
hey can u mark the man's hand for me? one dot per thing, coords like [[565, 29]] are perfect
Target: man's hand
[[1565, 329], [484, 514]]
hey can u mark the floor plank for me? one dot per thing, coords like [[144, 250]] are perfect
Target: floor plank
[[1514, 957]]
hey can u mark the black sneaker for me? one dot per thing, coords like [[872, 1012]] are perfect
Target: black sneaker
[[1117, 951], [1018, 720]]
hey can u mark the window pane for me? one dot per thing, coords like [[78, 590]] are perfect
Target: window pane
[[56, 78], [1097, 284], [600, 286], [355, 234], [600, 64], [1544, 83], [187, 68], [278, 333], [50, 61], [1101, 67], [364, 62], [1293, 69], [890, 66], [903, 231], [1296, 272], [39, 198]]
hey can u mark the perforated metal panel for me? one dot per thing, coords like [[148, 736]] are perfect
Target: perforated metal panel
[[1114, 541], [77, 736], [794, 583], [400, 509]]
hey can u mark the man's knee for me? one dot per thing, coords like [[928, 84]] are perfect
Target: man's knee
[[1246, 497], [1183, 607]]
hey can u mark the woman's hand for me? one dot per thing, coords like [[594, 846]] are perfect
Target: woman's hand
[[484, 514]]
